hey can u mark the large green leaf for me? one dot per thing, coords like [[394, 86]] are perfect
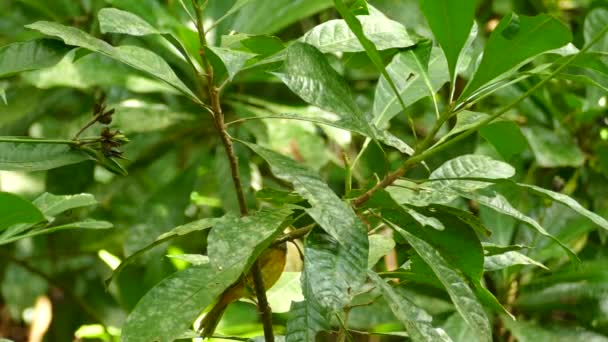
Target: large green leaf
[[416, 320], [461, 294], [568, 201], [508, 259], [308, 74], [35, 54], [414, 79], [327, 265], [335, 36], [554, 148], [443, 181], [51, 205], [306, 318], [38, 156], [233, 60], [451, 23], [265, 17], [185, 294], [15, 210], [333, 215], [516, 40], [134, 56], [112, 20], [506, 137], [233, 238], [525, 331]]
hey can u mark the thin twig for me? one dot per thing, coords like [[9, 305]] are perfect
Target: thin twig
[[218, 116]]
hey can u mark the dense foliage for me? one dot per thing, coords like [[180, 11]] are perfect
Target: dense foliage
[[436, 168]]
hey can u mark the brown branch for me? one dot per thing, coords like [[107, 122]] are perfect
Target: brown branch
[[218, 116]]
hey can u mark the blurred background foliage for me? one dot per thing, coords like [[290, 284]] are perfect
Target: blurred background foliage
[[177, 171]]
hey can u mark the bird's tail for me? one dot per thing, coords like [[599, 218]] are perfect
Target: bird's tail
[[213, 317]]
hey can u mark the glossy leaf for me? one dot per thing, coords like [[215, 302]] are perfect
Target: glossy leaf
[[504, 53], [333, 215], [29, 156], [568, 201], [32, 55], [187, 292], [136, 57], [416, 320], [553, 148], [414, 80], [451, 23], [113, 20], [15, 210], [51, 205], [461, 294], [507, 259], [335, 36]]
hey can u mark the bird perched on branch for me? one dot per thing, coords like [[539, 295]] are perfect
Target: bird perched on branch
[[271, 262]]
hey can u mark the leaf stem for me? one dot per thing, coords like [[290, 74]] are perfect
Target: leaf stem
[[218, 116], [37, 141]]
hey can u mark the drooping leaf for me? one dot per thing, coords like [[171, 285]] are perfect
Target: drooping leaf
[[333, 215], [187, 292], [87, 224], [526, 331], [451, 22], [113, 20], [414, 80], [553, 148], [28, 156], [504, 50], [308, 74], [335, 36], [266, 17], [508, 259], [51, 205], [15, 210], [233, 60], [416, 320], [461, 294], [136, 57], [32, 55], [568, 201]]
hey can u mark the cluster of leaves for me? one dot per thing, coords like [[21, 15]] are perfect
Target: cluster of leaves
[[443, 162]]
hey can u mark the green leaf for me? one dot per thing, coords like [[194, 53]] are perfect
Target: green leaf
[[134, 56], [333, 215], [506, 51], [306, 318], [451, 23], [308, 74], [459, 291], [500, 204], [234, 239], [51, 205], [87, 224], [554, 148], [329, 268], [464, 121], [506, 137], [285, 291], [525, 331], [507, 259], [233, 60], [416, 320], [186, 293], [15, 210], [568, 201], [458, 329], [38, 156], [113, 20], [335, 36], [379, 246], [595, 22], [266, 17], [437, 190], [414, 80], [32, 55]]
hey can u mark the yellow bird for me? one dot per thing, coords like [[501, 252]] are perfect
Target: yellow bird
[[272, 263]]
